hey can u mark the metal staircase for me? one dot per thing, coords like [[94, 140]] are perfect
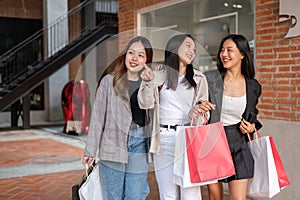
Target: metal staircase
[[23, 68]]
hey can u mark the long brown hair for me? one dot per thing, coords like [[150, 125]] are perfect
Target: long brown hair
[[118, 67]]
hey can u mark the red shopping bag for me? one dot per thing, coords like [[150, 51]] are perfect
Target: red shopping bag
[[269, 174], [208, 153], [282, 176]]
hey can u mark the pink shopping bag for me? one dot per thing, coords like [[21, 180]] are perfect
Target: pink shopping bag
[[208, 153]]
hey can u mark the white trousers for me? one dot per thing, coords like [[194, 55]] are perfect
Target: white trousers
[[164, 165]]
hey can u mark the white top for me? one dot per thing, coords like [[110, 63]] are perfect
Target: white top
[[233, 109], [175, 105]]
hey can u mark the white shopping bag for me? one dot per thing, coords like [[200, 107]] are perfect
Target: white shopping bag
[[265, 180], [92, 189], [181, 167]]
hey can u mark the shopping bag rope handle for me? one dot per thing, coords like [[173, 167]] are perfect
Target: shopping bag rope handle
[[195, 122], [92, 164], [256, 135]]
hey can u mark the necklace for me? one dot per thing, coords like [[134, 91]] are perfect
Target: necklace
[[233, 86]]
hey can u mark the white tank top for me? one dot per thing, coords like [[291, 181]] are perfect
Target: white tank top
[[175, 105], [233, 109]]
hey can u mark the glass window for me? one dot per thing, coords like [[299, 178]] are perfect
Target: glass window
[[206, 20]]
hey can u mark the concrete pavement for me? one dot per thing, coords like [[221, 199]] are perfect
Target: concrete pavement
[[44, 163]]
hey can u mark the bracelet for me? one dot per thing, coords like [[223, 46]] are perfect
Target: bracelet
[[199, 102]]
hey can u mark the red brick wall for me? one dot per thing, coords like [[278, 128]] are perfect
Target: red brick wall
[[31, 9], [28, 9], [128, 17], [278, 64]]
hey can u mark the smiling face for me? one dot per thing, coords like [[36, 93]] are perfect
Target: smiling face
[[135, 57], [230, 55], [186, 51]]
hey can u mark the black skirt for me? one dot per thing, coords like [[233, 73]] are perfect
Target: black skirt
[[241, 155]]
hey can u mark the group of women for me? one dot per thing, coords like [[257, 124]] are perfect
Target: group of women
[[138, 107]]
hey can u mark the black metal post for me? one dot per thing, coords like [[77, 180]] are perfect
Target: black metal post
[[26, 111]]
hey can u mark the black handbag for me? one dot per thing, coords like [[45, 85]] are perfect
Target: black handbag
[[78, 184]]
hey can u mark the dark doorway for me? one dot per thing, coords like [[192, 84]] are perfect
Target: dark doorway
[[13, 32]]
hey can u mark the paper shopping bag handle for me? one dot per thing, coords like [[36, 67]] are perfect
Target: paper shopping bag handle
[[255, 134], [195, 122]]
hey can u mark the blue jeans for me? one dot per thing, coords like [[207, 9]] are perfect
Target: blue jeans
[[128, 181]]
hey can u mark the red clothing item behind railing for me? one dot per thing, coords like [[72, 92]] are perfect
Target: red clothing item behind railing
[[76, 104]]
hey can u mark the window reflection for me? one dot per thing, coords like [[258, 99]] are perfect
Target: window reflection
[[207, 20]]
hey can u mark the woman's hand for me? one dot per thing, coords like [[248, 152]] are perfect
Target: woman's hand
[[147, 74], [87, 160], [206, 106], [195, 112], [199, 109], [247, 127]]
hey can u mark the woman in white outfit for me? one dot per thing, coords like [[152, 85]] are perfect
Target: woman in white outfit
[[173, 93]]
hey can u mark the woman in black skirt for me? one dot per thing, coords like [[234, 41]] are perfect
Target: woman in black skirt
[[233, 98]]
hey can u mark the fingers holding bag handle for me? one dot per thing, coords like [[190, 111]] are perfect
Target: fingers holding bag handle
[[87, 160], [200, 110], [89, 166], [255, 135], [200, 120]]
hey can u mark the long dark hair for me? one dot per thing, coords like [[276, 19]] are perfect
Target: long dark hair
[[118, 67], [172, 62], [247, 62]]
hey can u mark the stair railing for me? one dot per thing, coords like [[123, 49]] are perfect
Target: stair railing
[[24, 57]]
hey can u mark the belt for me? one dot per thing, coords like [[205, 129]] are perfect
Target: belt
[[168, 126], [172, 126]]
